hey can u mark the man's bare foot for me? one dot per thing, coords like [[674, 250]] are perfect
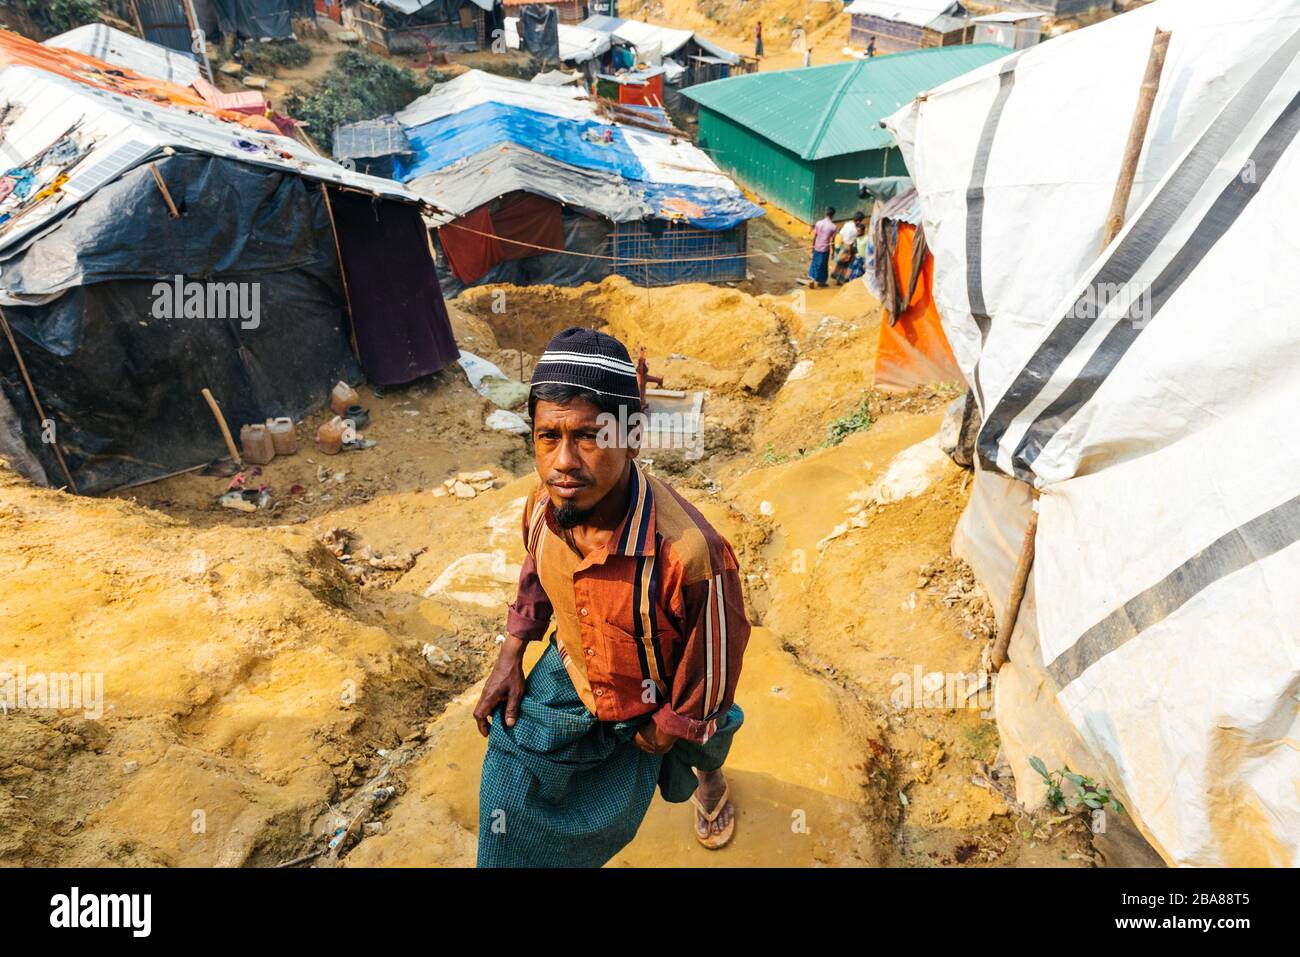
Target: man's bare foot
[[711, 793]]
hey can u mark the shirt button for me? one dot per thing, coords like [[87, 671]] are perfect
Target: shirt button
[[582, 612], [599, 692], [590, 652]]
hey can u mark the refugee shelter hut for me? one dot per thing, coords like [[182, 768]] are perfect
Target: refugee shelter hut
[[567, 11], [911, 349], [1012, 29], [1148, 398], [686, 58], [256, 19], [149, 251], [907, 24], [113, 46], [1069, 8], [414, 26], [171, 23], [542, 184], [792, 136]]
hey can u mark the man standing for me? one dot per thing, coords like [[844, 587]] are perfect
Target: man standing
[[807, 57], [871, 47], [758, 39], [637, 684], [823, 231]]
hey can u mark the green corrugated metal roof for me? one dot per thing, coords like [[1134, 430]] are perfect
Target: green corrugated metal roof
[[822, 111]]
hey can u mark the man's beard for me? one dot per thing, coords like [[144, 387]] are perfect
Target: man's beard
[[569, 516]]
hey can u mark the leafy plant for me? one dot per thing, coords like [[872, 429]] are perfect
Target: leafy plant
[[56, 16], [1088, 792], [360, 86], [267, 58], [858, 420], [772, 457]]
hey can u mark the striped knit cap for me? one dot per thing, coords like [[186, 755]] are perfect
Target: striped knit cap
[[589, 360]]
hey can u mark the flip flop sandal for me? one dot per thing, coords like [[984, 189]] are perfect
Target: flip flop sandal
[[714, 841]]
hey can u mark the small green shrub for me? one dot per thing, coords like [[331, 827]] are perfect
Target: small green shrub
[[858, 420], [360, 86]]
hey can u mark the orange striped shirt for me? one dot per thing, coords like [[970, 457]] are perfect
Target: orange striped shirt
[[653, 623]]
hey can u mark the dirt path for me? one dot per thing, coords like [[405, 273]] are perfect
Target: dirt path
[[255, 687]]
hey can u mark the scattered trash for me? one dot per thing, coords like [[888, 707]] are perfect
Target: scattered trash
[[802, 369], [504, 420], [359, 444], [237, 501], [358, 416]]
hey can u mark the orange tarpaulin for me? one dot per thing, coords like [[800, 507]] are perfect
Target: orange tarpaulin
[[648, 93], [913, 351], [16, 50]]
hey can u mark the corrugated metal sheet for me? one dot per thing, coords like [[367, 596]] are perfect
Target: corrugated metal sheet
[[822, 111], [918, 13]]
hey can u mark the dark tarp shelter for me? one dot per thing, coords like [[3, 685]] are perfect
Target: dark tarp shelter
[[122, 385], [255, 19], [240, 217], [539, 30]]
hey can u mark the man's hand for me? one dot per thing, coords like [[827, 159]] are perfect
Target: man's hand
[[506, 683], [653, 741]]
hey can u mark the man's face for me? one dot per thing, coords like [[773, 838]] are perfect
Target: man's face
[[577, 467]]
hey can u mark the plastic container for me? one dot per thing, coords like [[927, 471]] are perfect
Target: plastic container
[[257, 445], [329, 437], [282, 435], [342, 397], [358, 416]]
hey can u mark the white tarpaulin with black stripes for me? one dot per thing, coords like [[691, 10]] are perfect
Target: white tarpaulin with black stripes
[[1151, 391]]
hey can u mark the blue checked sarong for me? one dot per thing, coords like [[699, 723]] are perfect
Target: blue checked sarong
[[564, 789], [818, 268]]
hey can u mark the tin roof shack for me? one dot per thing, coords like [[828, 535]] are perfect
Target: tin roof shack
[[542, 184], [614, 44], [1014, 30], [910, 25], [569, 11], [414, 26], [152, 246], [803, 138]]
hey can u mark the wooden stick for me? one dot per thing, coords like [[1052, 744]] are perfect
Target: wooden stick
[[31, 391], [167, 196], [343, 273], [1114, 223], [225, 429], [1018, 583], [135, 12], [1136, 136]]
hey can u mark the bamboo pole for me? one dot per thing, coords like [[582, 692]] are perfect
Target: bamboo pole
[[343, 273], [166, 194], [1019, 581], [1137, 135], [31, 391]]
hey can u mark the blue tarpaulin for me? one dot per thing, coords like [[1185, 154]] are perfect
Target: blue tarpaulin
[[443, 141], [579, 143]]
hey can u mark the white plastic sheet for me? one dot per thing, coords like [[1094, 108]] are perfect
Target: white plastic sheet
[[1149, 390]]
